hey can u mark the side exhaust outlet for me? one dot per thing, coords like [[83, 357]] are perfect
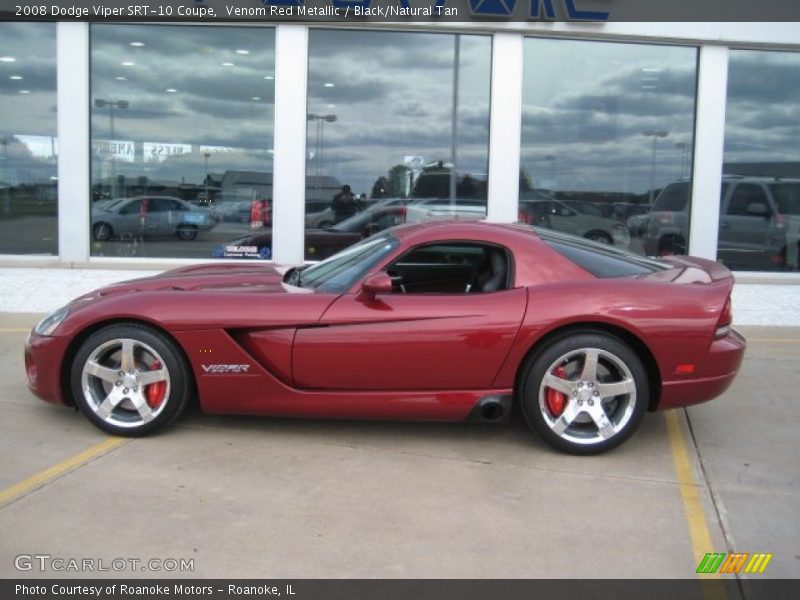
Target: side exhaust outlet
[[491, 409]]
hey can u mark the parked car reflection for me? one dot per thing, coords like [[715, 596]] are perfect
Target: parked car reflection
[[554, 214], [149, 216], [759, 222], [320, 243]]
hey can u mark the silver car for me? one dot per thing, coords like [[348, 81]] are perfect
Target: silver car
[[149, 216]]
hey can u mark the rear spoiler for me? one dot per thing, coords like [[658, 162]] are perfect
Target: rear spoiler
[[715, 270]]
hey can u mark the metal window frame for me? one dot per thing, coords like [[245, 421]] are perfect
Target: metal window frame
[[714, 41]]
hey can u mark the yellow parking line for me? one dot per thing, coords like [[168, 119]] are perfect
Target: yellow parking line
[[692, 506], [43, 477], [773, 341], [14, 329]]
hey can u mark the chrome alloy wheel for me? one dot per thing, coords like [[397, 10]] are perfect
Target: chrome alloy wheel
[[587, 396], [124, 381]]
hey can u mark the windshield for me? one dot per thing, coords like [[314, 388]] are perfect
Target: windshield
[[338, 273], [673, 198]]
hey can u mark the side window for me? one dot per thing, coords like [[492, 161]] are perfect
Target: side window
[[132, 208], [157, 205], [451, 268], [744, 196], [174, 205]]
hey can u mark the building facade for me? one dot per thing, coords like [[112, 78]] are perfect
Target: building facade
[[144, 144]]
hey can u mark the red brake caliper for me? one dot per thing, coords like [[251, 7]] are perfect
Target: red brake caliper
[[556, 400], [155, 392]]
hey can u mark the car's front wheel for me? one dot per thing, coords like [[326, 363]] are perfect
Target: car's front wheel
[[586, 393], [131, 380], [102, 232]]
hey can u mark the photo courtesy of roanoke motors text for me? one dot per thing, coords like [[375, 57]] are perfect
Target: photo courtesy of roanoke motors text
[[430, 299]]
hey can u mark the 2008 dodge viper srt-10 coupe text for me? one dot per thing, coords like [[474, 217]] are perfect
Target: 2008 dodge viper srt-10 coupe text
[[440, 321]]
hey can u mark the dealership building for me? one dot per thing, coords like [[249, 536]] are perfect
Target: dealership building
[[130, 145]]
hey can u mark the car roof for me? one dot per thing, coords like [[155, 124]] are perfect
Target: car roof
[[457, 227]]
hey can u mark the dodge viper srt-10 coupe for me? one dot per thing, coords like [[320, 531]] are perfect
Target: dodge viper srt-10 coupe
[[444, 321]]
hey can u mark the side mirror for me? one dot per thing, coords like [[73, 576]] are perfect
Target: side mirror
[[374, 284]]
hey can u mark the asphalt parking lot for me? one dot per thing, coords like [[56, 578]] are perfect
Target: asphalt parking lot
[[260, 497]]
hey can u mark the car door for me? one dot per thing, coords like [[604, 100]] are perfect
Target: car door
[[157, 219], [409, 341], [743, 233], [128, 219]]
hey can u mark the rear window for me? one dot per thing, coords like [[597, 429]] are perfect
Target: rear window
[[604, 262], [673, 198]]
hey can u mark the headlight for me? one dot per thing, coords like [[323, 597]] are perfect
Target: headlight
[[49, 324]]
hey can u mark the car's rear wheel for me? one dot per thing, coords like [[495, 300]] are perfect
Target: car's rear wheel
[[130, 380], [102, 232], [187, 232], [670, 245], [586, 393]]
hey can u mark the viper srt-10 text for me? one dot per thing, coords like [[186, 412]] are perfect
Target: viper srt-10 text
[[105, 11]]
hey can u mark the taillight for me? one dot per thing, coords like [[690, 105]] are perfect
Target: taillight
[[523, 217], [780, 221], [725, 319]]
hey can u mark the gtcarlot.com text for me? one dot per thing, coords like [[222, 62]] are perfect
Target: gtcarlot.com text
[[60, 564]]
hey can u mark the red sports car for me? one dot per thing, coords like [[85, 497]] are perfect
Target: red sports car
[[442, 321]]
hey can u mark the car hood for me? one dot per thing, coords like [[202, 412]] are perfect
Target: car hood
[[208, 278]]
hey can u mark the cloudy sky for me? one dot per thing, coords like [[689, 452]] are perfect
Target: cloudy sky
[[392, 94], [586, 104]]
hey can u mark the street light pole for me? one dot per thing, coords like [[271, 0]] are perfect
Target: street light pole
[[320, 121], [655, 135], [205, 157], [111, 104]]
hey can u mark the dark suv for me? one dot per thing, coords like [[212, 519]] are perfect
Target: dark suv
[[758, 222]]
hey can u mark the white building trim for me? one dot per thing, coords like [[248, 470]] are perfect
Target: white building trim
[[289, 162], [505, 126], [709, 140], [74, 148]]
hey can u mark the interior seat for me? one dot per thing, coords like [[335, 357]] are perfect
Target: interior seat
[[493, 274]]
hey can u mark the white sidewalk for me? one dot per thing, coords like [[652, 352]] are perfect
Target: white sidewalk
[[40, 290]]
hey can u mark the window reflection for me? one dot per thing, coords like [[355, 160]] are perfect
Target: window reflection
[[28, 142], [760, 201], [607, 141], [182, 129], [397, 131]]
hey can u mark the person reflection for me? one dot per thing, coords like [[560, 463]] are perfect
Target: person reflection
[[343, 204]]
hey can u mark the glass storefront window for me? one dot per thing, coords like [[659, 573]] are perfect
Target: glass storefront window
[[759, 221], [397, 131], [607, 139], [182, 132], [28, 142]]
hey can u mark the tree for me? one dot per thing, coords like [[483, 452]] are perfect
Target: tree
[[380, 189]]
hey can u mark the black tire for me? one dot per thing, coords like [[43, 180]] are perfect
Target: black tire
[[617, 364], [186, 232], [124, 418], [102, 232], [599, 236]]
